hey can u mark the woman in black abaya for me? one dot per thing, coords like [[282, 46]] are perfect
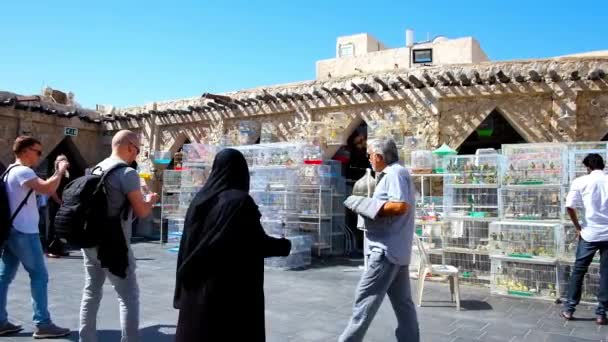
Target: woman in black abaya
[[220, 268]]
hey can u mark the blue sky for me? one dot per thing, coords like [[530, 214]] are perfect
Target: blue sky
[[134, 52]]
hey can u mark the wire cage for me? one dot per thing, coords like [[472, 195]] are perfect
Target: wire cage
[[524, 278], [170, 205], [172, 180], [429, 208], [175, 229], [532, 203], [422, 162], [273, 178], [314, 203], [591, 282], [310, 175], [299, 257], [185, 198], [199, 153], [276, 201], [465, 236], [567, 244], [463, 170], [474, 268], [524, 240], [194, 177], [338, 209], [534, 164], [471, 202], [578, 151], [431, 236]]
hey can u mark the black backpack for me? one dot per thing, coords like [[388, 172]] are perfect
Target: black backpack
[[6, 218], [83, 215]]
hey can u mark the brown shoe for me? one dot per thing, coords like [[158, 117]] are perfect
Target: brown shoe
[[566, 315], [600, 320]]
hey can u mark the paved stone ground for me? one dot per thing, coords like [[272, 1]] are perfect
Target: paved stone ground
[[308, 305]]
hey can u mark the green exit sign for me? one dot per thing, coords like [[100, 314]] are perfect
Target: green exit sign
[[70, 132]]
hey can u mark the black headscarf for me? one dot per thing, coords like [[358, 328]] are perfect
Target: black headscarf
[[206, 224]]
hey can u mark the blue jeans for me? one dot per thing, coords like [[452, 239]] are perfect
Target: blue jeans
[[585, 251], [383, 277], [25, 248]]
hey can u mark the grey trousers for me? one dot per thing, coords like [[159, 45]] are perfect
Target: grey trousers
[[128, 298], [383, 277]]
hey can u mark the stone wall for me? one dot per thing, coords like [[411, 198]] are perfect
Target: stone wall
[[544, 100], [50, 131]]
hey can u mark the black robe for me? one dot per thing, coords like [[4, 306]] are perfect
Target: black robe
[[220, 272]]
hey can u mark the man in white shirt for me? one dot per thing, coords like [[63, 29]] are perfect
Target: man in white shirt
[[23, 243], [590, 193]]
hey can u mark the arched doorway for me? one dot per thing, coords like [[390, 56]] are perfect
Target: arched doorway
[[171, 164], [354, 160], [605, 138], [69, 149], [494, 131]]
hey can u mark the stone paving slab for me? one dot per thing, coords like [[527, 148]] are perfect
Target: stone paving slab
[[304, 306]]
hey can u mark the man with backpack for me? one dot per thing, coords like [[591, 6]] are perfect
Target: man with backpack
[[20, 241], [124, 200]]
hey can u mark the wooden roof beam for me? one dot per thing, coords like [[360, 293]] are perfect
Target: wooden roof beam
[[596, 74], [444, 81], [554, 76], [518, 77], [241, 103], [429, 81], [405, 83], [381, 82], [491, 78], [451, 78], [217, 97], [574, 76], [477, 77], [336, 91], [366, 88], [226, 104], [415, 81], [464, 80], [214, 105], [502, 77], [535, 76]]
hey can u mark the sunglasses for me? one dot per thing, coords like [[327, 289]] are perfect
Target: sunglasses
[[38, 152], [136, 148]]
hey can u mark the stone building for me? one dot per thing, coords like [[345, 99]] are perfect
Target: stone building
[[441, 91]]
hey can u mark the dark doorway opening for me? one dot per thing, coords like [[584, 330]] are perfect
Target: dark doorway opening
[[69, 149], [494, 131], [354, 163], [171, 165], [605, 138]]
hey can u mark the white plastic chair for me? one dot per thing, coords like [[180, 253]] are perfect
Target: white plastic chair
[[447, 270]]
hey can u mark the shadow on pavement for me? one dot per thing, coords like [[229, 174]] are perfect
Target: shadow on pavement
[[468, 305], [155, 333]]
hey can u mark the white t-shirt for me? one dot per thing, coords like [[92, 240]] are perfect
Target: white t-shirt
[[590, 192], [27, 219]]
